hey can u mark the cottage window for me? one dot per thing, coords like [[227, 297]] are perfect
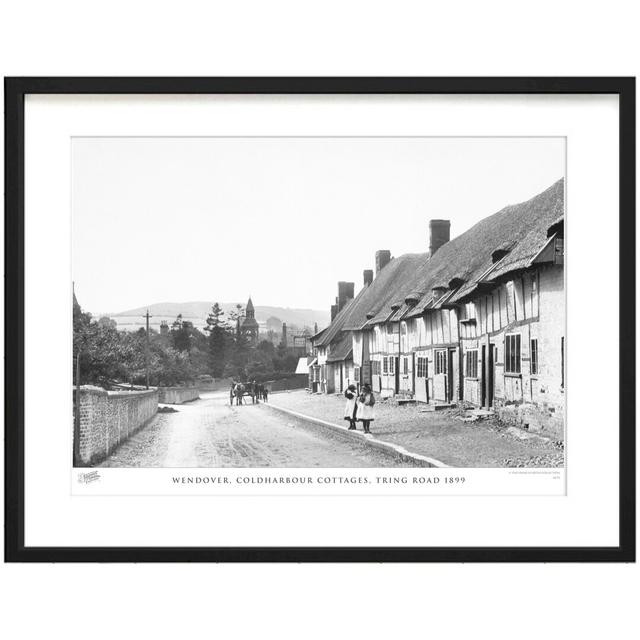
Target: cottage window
[[471, 363], [405, 366], [385, 366], [392, 362], [422, 367], [356, 374], [389, 329], [512, 355], [534, 356], [441, 362]]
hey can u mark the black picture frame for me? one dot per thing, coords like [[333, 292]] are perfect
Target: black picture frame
[[15, 91]]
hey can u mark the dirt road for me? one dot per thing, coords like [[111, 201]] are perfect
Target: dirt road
[[210, 433]]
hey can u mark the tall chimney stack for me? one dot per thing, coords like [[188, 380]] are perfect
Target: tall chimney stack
[[345, 293], [284, 334], [383, 256], [334, 311], [367, 275], [439, 231]]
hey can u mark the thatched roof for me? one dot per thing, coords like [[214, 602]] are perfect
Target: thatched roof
[[341, 348], [327, 335], [389, 287], [520, 230]]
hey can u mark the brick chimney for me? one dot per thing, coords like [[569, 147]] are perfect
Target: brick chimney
[[383, 256], [367, 275], [345, 294], [334, 311], [439, 231]]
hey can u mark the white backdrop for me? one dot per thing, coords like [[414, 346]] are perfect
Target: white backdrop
[[373, 38], [54, 517]]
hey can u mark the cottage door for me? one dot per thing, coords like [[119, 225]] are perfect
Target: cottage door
[[440, 377], [412, 374], [421, 378], [452, 370], [483, 376], [488, 375]]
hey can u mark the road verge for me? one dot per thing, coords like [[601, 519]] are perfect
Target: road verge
[[386, 447]]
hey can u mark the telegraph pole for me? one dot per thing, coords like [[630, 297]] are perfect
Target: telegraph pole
[[146, 351]]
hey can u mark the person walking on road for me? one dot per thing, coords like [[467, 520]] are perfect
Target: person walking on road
[[265, 393], [365, 412], [351, 407], [232, 392]]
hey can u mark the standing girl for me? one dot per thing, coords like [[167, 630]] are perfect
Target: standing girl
[[365, 412], [350, 408]]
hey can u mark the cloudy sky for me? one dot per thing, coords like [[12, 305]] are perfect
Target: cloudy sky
[[282, 219]]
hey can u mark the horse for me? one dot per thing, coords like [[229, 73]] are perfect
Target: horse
[[239, 391]]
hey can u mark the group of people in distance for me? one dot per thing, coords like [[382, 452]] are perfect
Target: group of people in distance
[[359, 407], [257, 391]]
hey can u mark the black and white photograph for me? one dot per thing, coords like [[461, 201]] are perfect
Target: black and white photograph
[[318, 302]]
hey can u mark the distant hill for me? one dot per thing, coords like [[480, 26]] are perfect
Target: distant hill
[[197, 312]]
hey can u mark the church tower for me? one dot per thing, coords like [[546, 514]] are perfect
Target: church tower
[[250, 328]]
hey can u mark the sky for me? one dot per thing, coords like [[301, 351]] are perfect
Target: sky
[[280, 219]]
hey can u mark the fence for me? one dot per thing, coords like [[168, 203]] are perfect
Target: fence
[[106, 419]]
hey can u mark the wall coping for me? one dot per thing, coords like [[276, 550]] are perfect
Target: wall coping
[[90, 390], [131, 394], [194, 388]]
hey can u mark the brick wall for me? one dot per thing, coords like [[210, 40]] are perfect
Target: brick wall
[[108, 418], [177, 395]]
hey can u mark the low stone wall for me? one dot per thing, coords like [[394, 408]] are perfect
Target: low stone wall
[[215, 385], [177, 395], [296, 381], [108, 418], [545, 419]]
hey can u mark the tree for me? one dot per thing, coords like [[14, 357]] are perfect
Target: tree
[[106, 321], [101, 357], [274, 324], [234, 316], [218, 339], [181, 334], [109, 356]]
